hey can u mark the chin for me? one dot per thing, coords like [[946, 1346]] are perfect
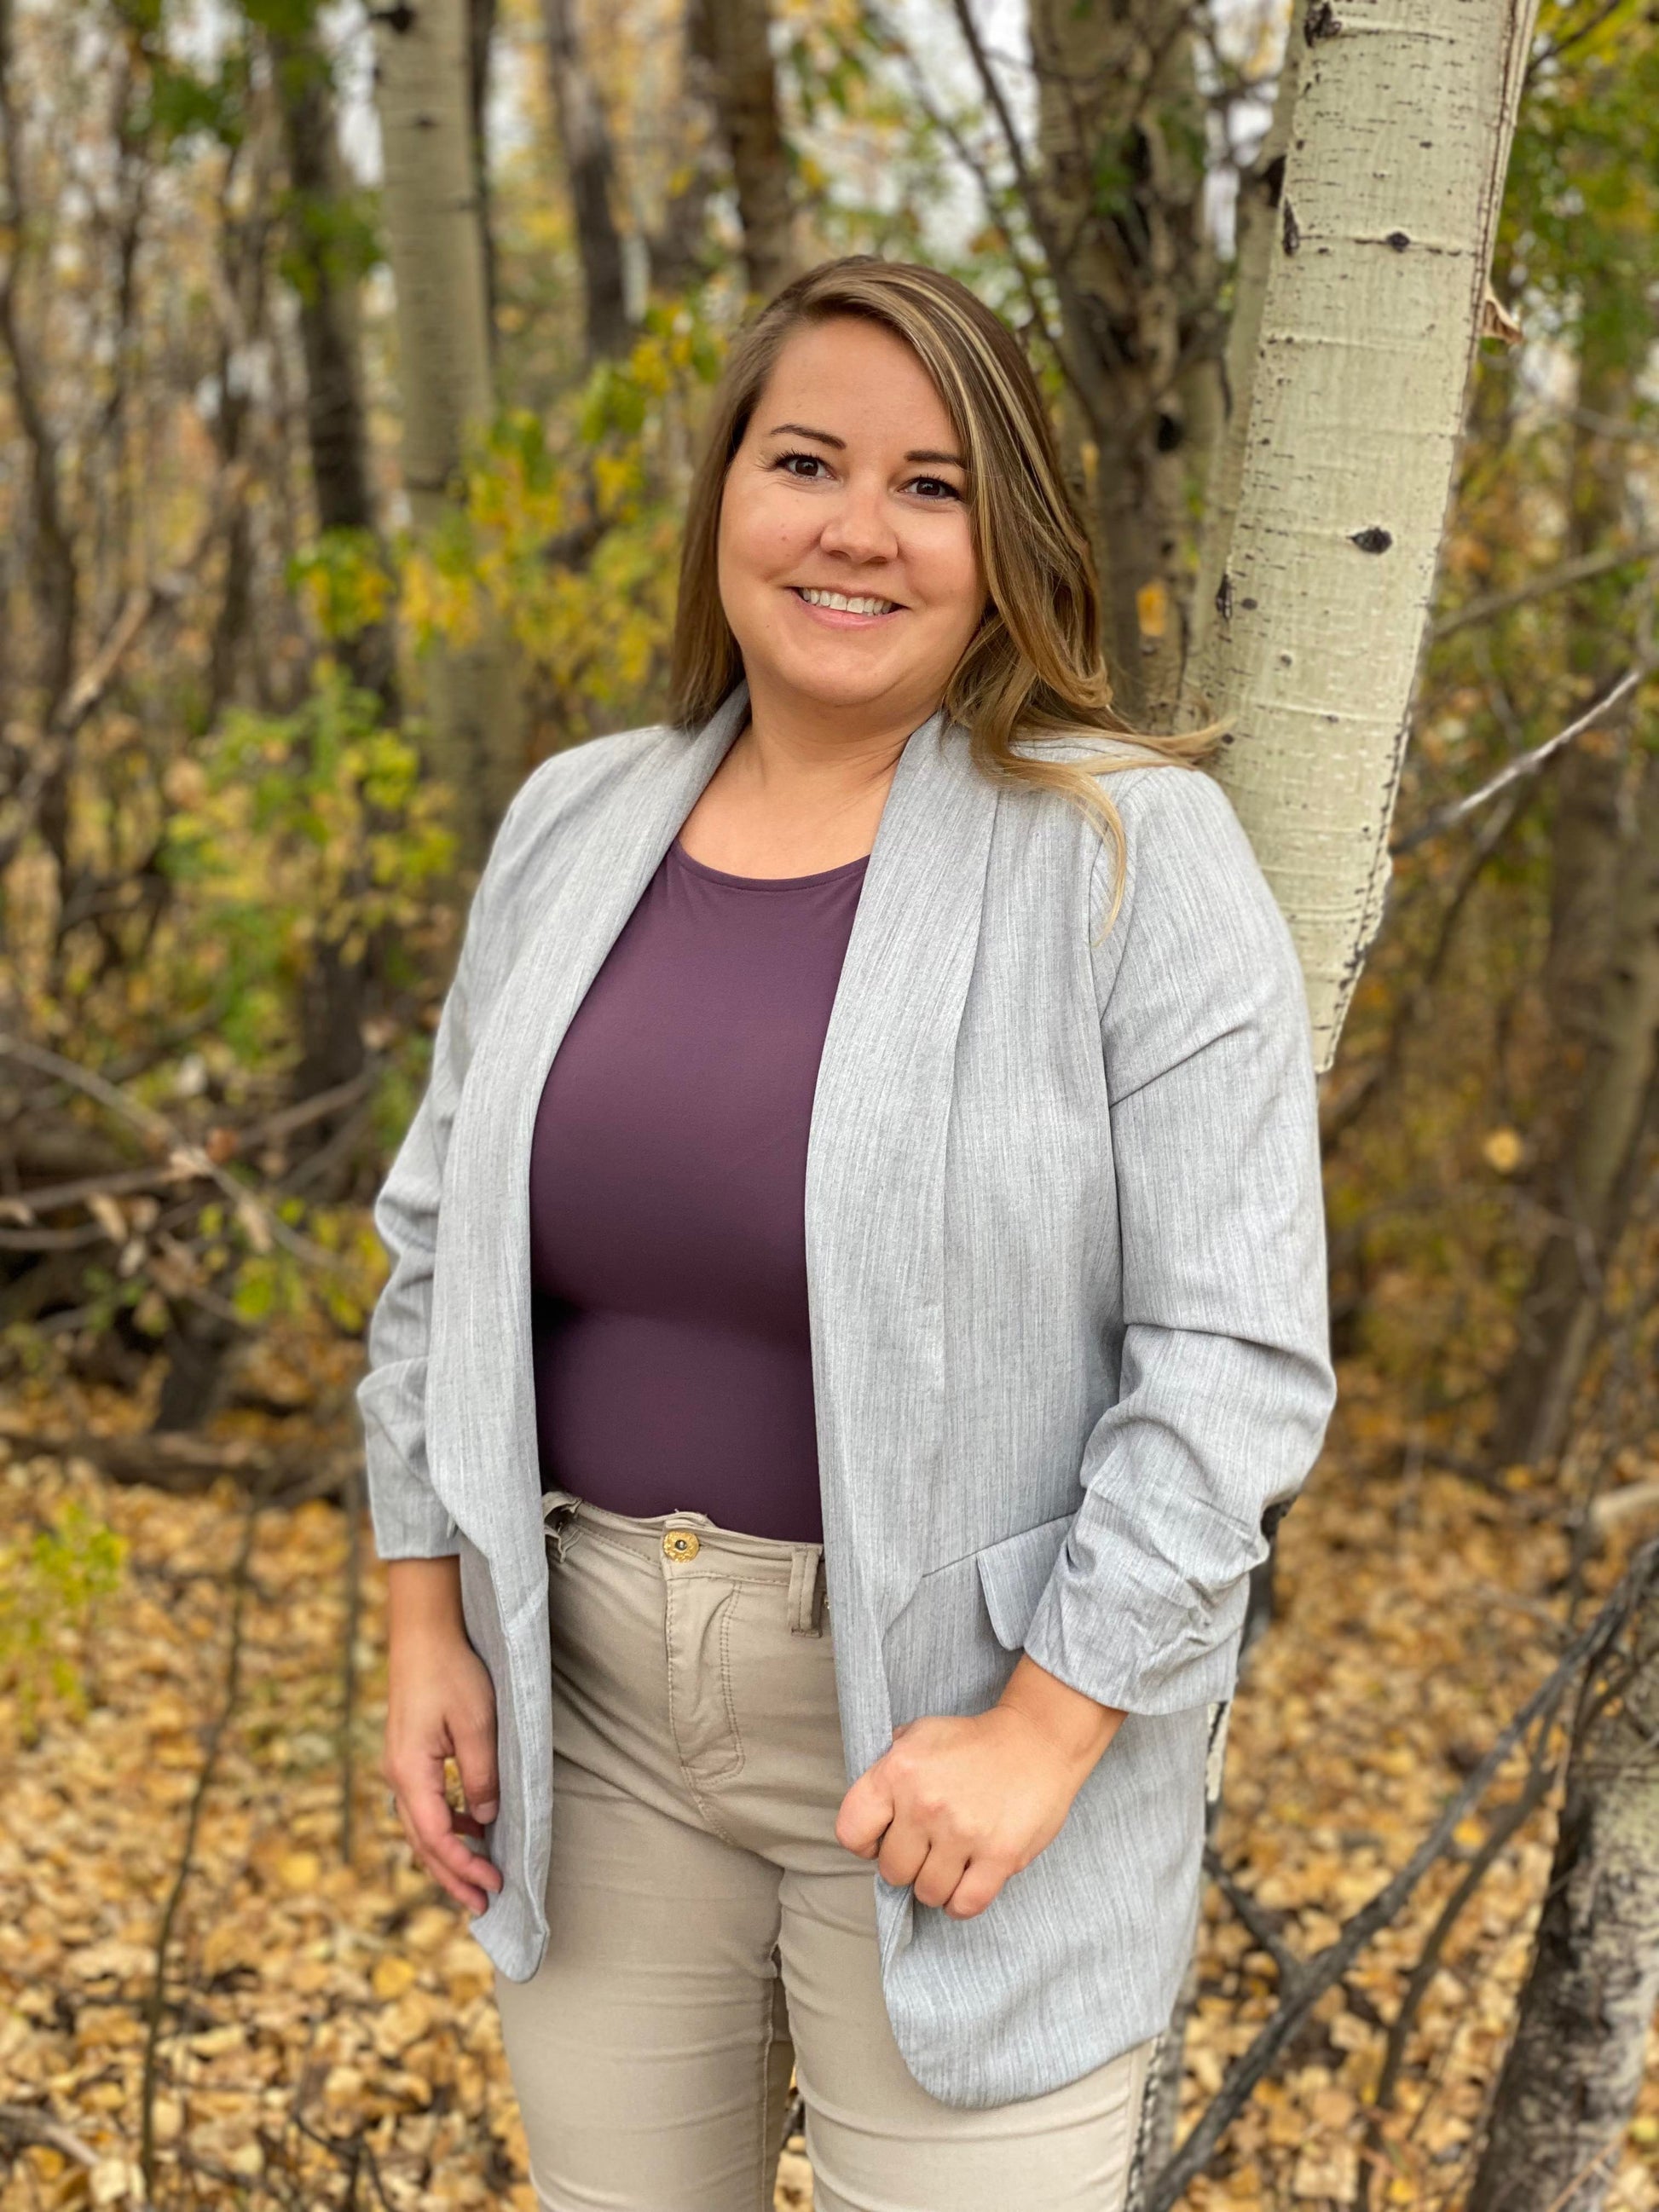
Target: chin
[[845, 687]]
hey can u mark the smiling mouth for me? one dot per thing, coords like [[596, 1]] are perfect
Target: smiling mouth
[[844, 603]]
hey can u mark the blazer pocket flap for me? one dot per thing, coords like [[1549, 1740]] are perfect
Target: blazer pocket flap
[[1014, 1573]]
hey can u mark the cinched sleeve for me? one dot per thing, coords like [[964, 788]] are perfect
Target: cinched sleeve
[[1225, 1381]]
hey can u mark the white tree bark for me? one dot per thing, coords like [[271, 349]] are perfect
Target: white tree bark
[[435, 242], [1392, 178]]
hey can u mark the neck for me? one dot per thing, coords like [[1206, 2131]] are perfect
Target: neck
[[838, 752]]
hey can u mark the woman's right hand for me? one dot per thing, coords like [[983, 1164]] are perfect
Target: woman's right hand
[[440, 1704]]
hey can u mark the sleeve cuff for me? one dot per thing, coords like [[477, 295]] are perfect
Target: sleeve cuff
[[1115, 1661]]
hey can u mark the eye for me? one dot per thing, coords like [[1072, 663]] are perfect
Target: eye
[[812, 462], [934, 487]]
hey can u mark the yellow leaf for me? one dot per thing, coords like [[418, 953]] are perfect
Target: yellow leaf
[[1153, 608], [1502, 1149], [391, 1977], [299, 1870]]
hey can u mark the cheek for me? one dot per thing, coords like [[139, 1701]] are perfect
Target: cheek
[[953, 582], [759, 535]]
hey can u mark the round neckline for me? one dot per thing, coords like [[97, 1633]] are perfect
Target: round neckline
[[765, 883]]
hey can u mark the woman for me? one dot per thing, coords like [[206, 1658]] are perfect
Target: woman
[[866, 1210]]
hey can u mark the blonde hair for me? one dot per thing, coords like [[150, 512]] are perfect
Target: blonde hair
[[1033, 669]]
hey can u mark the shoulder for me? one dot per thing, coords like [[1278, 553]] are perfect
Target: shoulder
[[555, 800], [562, 790], [579, 774], [1203, 942]]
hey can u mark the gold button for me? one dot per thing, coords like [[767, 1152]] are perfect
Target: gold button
[[681, 1544]]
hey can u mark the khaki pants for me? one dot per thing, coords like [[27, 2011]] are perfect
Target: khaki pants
[[707, 1931]]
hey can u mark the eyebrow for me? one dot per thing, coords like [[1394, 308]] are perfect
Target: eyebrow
[[826, 438]]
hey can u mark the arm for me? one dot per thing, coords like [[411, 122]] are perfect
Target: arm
[[441, 1702], [1226, 1383]]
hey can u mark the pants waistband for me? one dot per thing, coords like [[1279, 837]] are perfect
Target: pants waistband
[[764, 1558]]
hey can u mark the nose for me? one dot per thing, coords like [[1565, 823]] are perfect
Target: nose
[[859, 528]]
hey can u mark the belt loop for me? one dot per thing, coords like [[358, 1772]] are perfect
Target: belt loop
[[805, 1589]]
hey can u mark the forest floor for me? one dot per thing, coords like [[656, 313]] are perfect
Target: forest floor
[[327, 2036]]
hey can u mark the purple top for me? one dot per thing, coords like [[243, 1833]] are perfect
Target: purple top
[[667, 1181]]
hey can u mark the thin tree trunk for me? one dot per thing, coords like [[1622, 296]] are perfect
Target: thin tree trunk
[[585, 138], [435, 242], [734, 38], [1256, 233], [480, 44], [1121, 134], [326, 271], [52, 569], [1569, 2084], [1558, 1315], [1370, 315]]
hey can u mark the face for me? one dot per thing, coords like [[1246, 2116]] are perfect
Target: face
[[847, 564]]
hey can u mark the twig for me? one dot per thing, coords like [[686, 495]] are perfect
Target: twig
[[1583, 570], [263, 1227], [1528, 764], [24, 2124], [183, 1464], [1341, 1116], [1329, 1966], [186, 1857]]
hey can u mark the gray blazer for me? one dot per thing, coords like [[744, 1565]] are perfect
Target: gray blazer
[[1065, 1260]]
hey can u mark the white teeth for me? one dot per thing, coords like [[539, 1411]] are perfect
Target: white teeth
[[838, 600]]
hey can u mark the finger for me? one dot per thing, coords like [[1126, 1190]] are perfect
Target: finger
[[475, 1756], [466, 1893], [978, 1886], [903, 1853], [936, 1880], [865, 1812], [457, 1856], [436, 1842]]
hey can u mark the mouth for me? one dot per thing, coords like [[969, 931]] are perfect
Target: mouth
[[846, 610]]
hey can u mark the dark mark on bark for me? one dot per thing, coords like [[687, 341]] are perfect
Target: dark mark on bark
[[1273, 181], [1372, 539], [1291, 232], [400, 18], [1223, 596], [1399, 240], [1322, 22], [1251, 604]]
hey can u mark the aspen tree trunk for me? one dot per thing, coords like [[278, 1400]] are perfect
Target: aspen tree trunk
[[1369, 317], [1602, 973], [435, 242], [1256, 233], [1569, 2085], [585, 142], [1120, 134], [734, 37], [480, 44]]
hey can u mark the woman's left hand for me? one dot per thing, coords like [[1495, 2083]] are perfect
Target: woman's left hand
[[957, 1806]]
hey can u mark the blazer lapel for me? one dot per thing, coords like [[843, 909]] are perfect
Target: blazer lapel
[[875, 1196], [481, 1413]]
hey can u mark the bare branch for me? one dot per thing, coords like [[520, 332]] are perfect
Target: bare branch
[[1584, 570], [1528, 764]]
